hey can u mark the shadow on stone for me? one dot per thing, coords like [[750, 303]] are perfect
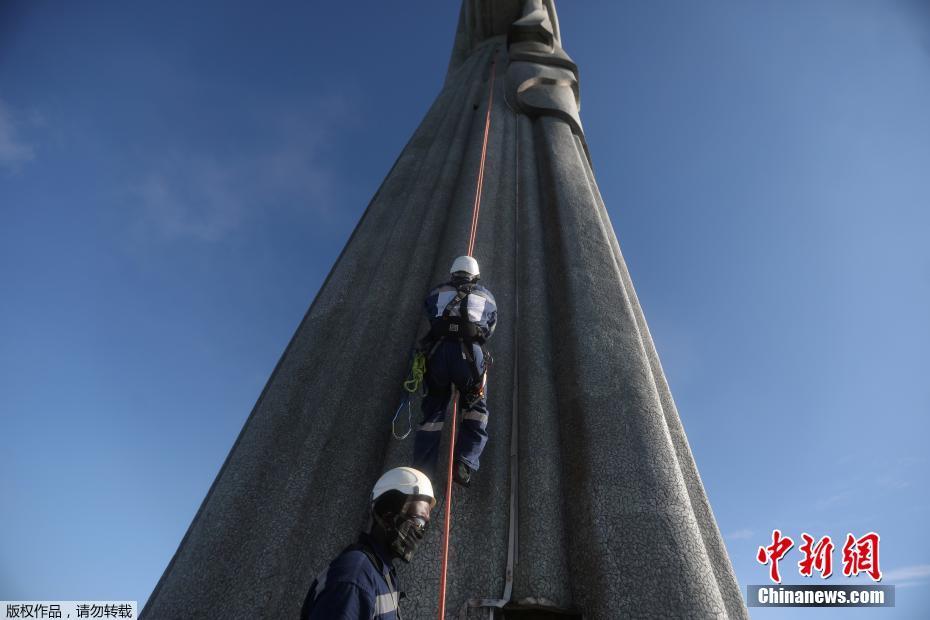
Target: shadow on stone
[[536, 612]]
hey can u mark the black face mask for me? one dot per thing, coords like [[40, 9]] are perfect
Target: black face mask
[[462, 282], [403, 536]]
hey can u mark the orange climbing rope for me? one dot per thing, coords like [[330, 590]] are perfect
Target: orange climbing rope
[[448, 519], [471, 248], [484, 153]]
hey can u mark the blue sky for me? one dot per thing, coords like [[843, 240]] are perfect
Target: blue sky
[[176, 182]]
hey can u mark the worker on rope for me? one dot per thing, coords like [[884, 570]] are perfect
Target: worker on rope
[[462, 316], [361, 582]]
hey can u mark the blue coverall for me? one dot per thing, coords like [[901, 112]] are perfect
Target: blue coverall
[[352, 587], [449, 365]]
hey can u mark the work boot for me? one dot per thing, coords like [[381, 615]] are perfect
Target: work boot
[[461, 474]]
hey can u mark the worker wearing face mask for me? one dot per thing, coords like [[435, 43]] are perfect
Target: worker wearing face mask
[[361, 582]]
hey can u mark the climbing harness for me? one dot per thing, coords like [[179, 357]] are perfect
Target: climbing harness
[[459, 327]]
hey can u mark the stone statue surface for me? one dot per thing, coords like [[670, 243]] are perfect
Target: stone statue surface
[[588, 490]]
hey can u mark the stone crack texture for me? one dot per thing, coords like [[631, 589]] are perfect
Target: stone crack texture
[[612, 518]]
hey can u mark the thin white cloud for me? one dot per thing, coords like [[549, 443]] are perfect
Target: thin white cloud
[[191, 200], [742, 534], [834, 500], [892, 482], [907, 573], [208, 197], [14, 152]]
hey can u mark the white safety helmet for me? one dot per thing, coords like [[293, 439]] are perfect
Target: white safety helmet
[[409, 481], [465, 265]]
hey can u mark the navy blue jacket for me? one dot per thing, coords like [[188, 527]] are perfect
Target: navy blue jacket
[[353, 588]]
